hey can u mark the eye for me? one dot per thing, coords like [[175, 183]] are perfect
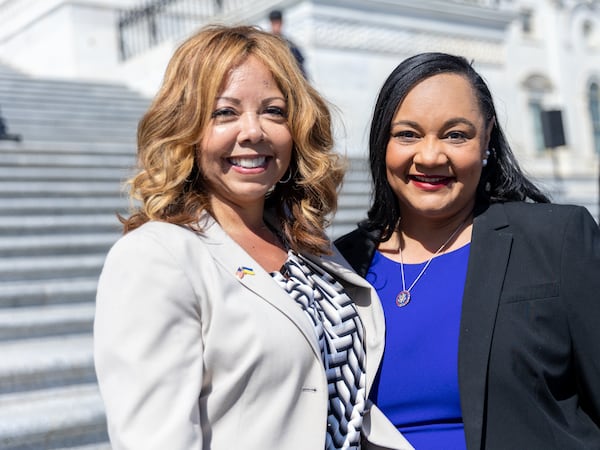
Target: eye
[[405, 135], [456, 136], [222, 113], [276, 111]]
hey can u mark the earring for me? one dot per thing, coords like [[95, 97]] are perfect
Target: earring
[[288, 178], [485, 160]]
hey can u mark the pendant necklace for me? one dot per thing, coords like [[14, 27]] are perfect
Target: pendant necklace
[[403, 297]]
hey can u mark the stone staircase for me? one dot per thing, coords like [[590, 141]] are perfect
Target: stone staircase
[[354, 199], [59, 192]]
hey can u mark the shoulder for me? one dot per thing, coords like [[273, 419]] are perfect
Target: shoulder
[[156, 241], [348, 238], [542, 215], [358, 247], [535, 223], [154, 233], [356, 239], [527, 209], [151, 265]]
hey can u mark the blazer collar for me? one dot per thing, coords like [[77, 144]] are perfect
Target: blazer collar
[[227, 253], [490, 249], [231, 256]]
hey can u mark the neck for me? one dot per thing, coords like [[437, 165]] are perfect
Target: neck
[[236, 217], [246, 226], [421, 240], [428, 231]]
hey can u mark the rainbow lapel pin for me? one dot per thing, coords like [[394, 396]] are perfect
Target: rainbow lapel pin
[[241, 271]]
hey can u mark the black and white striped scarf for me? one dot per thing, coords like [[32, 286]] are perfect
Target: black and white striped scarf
[[340, 334]]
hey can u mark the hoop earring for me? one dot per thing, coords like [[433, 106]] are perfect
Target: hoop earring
[[289, 177]]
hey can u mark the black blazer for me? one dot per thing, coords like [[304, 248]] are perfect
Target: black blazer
[[529, 346]]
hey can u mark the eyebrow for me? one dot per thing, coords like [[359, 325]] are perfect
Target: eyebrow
[[449, 123], [459, 120], [237, 101]]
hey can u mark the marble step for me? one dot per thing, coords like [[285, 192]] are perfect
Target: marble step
[[354, 177], [26, 94], [68, 147], [351, 215], [91, 189], [56, 224], [56, 244], [66, 131], [356, 188], [47, 292], [79, 160], [48, 320], [69, 174], [62, 205], [339, 229], [27, 98], [10, 75], [46, 362], [91, 129], [58, 418], [37, 268], [69, 118], [17, 108], [354, 199]]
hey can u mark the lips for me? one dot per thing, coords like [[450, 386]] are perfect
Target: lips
[[430, 181], [246, 162]]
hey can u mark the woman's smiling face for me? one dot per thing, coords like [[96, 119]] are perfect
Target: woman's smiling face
[[247, 146], [438, 139]]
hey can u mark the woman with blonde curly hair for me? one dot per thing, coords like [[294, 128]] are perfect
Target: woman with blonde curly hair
[[224, 317]]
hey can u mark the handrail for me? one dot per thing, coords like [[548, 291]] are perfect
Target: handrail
[[145, 26]]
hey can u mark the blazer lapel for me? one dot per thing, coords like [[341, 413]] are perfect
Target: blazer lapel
[[367, 305], [232, 258], [490, 249]]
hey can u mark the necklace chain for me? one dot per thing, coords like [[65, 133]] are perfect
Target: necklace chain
[[403, 297]]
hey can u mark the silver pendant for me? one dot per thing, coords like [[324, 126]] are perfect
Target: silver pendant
[[402, 298]]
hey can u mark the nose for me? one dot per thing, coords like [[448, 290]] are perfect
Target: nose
[[250, 128], [430, 153]]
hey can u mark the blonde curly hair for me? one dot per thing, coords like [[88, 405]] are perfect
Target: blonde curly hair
[[169, 185]]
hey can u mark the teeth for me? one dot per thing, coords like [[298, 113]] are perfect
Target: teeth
[[248, 163], [429, 179]]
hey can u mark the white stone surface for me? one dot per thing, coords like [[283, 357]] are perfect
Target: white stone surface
[[350, 47]]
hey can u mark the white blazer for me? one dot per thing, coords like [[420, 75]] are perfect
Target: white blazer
[[189, 356]]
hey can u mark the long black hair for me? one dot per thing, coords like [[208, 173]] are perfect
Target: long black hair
[[501, 180]]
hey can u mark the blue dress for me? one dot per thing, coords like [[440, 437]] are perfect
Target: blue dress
[[417, 385]]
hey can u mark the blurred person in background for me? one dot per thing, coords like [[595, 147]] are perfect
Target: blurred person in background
[[276, 21], [4, 134]]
